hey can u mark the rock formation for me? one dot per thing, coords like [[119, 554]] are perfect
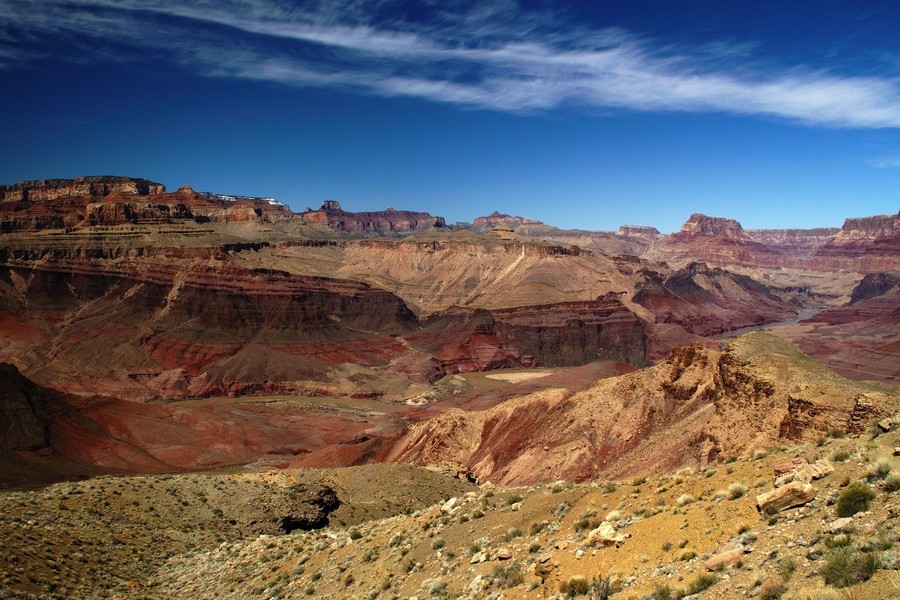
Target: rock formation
[[385, 222]]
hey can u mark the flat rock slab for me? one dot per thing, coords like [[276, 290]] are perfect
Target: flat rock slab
[[793, 494], [807, 473]]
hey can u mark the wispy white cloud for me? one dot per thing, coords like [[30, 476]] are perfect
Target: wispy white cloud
[[490, 55], [891, 162]]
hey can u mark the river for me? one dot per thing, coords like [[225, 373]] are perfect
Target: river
[[804, 314]]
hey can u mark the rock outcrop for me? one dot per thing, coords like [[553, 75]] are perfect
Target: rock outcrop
[[55, 189], [384, 222], [689, 409], [485, 224]]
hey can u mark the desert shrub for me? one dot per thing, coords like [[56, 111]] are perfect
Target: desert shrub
[[758, 454], [601, 588], [840, 540], [355, 534], [609, 487], [663, 592], [772, 590], [438, 588], [892, 483], [687, 555], [736, 490], [786, 567], [613, 516], [513, 533], [684, 500], [703, 581], [855, 498], [510, 500], [533, 547], [507, 577], [666, 546], [577, 585], [561, 510], [437, 543], [371, 554], [845, 566], [879, 470], [537, 527], [840, 456], [585, 524]]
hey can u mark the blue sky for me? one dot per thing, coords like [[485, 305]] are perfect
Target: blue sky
[[587, 115]]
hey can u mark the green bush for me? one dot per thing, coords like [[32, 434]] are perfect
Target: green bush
[[856, 498], [507, 577], [703, 581], [847, 566], [840, 456], [786, 567], [892, 483], [880, 469]]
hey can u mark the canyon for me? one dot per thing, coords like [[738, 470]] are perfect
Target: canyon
[[154, 332]]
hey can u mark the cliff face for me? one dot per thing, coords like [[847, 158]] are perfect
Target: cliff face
[[639, 231], [382, 222], [112, 201], [702, 225], [485, 224], [709, 301], [55, 189], [861, 245]]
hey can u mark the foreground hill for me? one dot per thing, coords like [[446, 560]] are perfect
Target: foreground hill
[[390, 532]]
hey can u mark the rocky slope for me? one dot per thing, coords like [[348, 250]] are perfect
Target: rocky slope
[[696, 405], [399, 532]]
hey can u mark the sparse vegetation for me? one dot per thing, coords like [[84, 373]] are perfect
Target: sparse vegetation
[[736, 490], [702, 582], [880, 469], [684, 500], [855, 498], [840, 456], [845, 566], [577, 585], [507, 577], [892, 483]]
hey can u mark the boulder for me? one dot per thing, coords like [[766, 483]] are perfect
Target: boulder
[[450, 506], [793, 494], [727, 558], [844, 525], [785, 467], [807, 473], [606, 535]]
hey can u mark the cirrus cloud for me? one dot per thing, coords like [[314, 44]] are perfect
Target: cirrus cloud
[[491, 56]]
